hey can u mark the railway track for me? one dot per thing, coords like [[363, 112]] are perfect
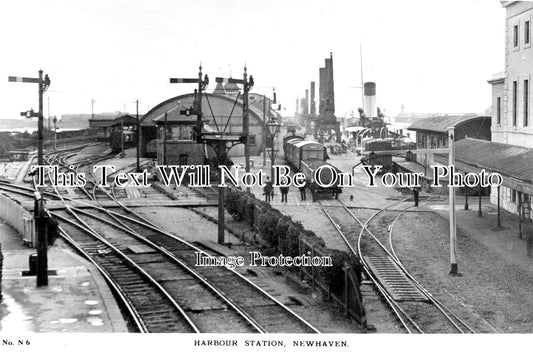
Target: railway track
[[145, 264], [417, 310]]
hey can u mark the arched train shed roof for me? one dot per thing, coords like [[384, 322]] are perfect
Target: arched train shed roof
[[215, 105]]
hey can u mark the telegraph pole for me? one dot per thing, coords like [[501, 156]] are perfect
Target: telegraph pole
[[245, 126], [138, 134], [165, 141], [264, 131], [41, 220], [48, 99], [55, 133], [122, 154], [247, 84]]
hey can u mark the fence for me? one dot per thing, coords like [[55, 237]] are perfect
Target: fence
[[1, 268], [342, 283], [350, 299], [69, 141]]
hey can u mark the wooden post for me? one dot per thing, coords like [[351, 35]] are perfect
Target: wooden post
[[479, 213], [519, 214], [264, 130], [499, 223], [300, 253], [313, 268], [165, 140], [346, 306], [245, 125]]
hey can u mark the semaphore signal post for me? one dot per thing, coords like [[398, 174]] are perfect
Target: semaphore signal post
[[41, 220]]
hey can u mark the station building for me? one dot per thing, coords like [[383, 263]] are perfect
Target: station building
[[508, 150], [511, 151], [112, 122], [222, 112], [432, 132]]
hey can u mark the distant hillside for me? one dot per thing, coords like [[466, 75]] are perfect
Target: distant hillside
[[82, 120], [67, 121]]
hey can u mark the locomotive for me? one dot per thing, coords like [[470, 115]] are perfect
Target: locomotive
[[130, 140], [383, 144], [307, 157]]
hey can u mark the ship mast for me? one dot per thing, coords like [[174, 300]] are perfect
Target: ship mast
[[361, 62]]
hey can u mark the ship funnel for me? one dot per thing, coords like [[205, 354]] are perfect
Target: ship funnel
[[370, 99]]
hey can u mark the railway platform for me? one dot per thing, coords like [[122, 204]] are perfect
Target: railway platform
[[504, 241], [76, 299]]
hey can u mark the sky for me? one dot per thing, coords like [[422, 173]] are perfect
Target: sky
[[429, 56]]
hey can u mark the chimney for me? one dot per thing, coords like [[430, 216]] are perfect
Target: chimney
[[306, 102], [313, 105]]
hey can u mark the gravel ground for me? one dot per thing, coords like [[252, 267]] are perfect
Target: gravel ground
[[492, 294]]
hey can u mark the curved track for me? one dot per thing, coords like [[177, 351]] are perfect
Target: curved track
[[415, 316], [143, 263]]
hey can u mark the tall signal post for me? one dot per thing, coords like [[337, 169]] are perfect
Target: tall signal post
[[138, 134], [247, 84], [41, 220], [220, 141]]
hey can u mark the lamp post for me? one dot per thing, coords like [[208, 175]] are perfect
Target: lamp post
[[273, 129]]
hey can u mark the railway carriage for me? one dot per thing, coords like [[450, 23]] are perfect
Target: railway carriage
[[374, 159], [307, 157], [383, 144], [130, 140]]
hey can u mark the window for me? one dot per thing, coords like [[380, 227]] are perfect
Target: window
[[515, 94], [526, 102], [183, 159], [251, 140], [513, 196], [515, 36], [498, 111], [182, 133], [526, 32]]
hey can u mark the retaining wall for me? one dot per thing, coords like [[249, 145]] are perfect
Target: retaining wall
[[19, 218]]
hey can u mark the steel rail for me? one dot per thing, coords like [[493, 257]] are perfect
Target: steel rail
[[388, 298], [138, 268], [429, 296], [131, 262], [137, 319], [181, 239], [417, 283], [423, 290], [201, 278]]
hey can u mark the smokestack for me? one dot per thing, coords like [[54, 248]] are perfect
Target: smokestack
[[329, 89], [313, 104], [321, 90], [297, 106], [306, 102], [370, 99], [302, 106]]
